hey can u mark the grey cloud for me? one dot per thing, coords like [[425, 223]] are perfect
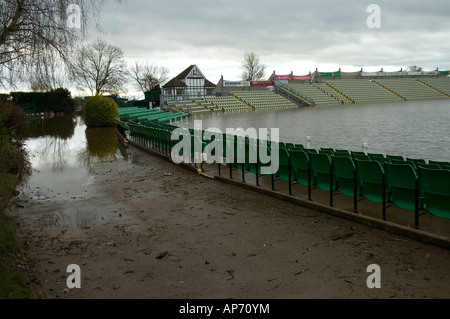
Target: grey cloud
[[323, 32]]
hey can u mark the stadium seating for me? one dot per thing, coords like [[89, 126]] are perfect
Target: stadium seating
[[363, 91], [410, 89], [264, 100]]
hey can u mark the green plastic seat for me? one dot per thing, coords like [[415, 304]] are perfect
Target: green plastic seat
[[321, 171], [341, 153], [435, 190], [395, 157], [375, 155], [441, 164], [328, 151], [409, 162], [345, 175], [358, 156], [416, 161], [311, 151], [300, 166], [370, 177], [380, 160], [403, 188], [253, 164]]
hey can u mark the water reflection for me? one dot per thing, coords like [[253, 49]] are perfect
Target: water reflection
[[62, 127], [101, 143], [62, 151]]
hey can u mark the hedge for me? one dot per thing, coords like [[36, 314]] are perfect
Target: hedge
[[58, 100]]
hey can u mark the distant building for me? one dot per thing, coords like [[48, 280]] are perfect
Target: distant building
[[189, 84]]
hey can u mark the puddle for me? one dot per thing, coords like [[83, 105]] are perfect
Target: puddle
[[62, 153]]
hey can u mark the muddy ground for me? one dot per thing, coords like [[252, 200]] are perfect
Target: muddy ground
[[138, 232]]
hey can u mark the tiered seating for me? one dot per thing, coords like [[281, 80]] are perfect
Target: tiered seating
[[440, 84], [227, 104], [409, 184], [314, 93], [147, 115], [264, 100], [207, 105], [192, 107], [330, 92], [363, 91], [410, 89]]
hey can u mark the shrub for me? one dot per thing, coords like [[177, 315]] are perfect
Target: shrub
[[13, 156], [100, 111]]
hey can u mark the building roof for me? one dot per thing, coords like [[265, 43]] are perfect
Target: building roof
[[176, 81]]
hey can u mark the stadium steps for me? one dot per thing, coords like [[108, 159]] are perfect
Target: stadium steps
[[338, 93], [287, 93], [433, 88], [390, 91]]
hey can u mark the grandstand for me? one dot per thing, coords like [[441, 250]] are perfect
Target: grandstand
[[321, 88], [411, 89], [440, 84], [228, 104], [363, 91], [264, 100]]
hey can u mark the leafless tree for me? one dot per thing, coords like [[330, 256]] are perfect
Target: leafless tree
[[148, 76], [99, 67], [30, 29], [252, 68], [50, 74], [414, 68]]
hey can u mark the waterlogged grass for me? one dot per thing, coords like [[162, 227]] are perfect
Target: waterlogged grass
[[14, 283]]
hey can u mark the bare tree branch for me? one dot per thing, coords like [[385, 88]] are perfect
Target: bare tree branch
[[34, 30], [99, 67], [252, 68], [148, 76]]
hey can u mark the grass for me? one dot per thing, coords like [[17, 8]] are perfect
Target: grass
[[14, 283]]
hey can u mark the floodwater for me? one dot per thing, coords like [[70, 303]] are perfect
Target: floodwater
[[417, 129], [63, 151]]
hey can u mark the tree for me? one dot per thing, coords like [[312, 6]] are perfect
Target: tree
[[49, 74], [148, 76], [99, 67], [414, 68], [252, 68], [30, 29]]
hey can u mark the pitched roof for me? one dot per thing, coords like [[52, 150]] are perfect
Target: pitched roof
[[176, 81], [185, 73], [209, 83]]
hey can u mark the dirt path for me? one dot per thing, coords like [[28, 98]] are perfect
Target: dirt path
[[139, 233]]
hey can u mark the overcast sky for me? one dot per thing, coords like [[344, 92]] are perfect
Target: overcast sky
[[287, 35]]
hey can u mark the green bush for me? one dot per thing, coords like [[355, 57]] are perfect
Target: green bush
[[100, 111], [13, 155]]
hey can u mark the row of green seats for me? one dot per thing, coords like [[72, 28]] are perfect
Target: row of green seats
[[398, 183], [406, 183]]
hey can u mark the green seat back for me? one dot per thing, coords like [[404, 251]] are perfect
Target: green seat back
[[300, 166], [401, 182], [370, 178], [344, 174], [321, 170], [435, 188]]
